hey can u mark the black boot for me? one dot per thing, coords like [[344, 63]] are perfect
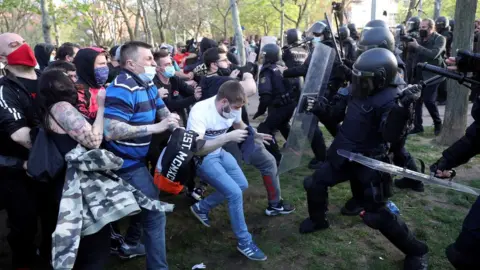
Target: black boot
[[314, 164], [317, 201], [416, 130], [352, 208], [395, 230], [437, 129], [406, 183]]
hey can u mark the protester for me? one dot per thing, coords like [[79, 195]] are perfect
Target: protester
[[44, 53], [92, 71], [67, 128], [67, 52], [131, 106], [180, 54], [113, 65], [67, 67], [211, 118], [17, 118]]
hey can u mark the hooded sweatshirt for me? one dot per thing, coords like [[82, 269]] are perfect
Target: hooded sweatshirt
[[86, 85], [42, 53]]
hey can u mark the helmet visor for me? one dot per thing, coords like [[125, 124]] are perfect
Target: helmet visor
[[362, 83]]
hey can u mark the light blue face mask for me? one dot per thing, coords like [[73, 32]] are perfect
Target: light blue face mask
[[169, 72], [148, 75], [317, 40]]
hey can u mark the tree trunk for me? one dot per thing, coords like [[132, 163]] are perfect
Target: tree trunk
[[148, 30], [45, 22], [282, 22], [137, 23], [158, 17], [437, 8], [457, 95], [127, 22], [55, 29], [410, 9], [238, 32]]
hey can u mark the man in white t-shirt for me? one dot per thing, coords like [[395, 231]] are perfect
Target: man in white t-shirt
[[211, 119]]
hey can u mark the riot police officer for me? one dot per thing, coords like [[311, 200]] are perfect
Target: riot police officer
[[367, 128], [353, 31], [376, 23], [413, 27], [349, 45], [294, 55], [275, 95], [380, 37]]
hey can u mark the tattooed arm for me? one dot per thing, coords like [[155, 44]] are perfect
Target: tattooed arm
[[73, 122], [118, 130], [162, 113], [22, 137]]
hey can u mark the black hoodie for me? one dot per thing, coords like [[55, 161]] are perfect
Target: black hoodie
[[42, 53]]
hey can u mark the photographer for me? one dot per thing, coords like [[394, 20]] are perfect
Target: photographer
[[430, 49]]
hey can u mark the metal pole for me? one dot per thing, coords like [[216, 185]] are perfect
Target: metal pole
[[374, 10], [238, 32], [282, 4]]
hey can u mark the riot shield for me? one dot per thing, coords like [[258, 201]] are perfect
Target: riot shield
[[265, 40], [304, 124]]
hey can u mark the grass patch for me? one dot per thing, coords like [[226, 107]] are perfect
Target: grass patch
[[435, 216]]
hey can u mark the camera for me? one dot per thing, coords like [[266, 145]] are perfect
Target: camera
[[406, 38], [468, 61], [338, 7]]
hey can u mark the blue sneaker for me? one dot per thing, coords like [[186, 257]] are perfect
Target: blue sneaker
[[202, 217], [252, 252], [127, 251]]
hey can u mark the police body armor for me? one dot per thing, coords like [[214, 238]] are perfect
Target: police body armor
[[360, 131], [295, 57], [281, 88]]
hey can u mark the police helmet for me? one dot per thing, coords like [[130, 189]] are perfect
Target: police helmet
[[377, 23], [352, 27], [413, 24], [452, 24], [401, 30], [373, 71], [293, 36], [343, 33], [377, 37], [441, 23], [318, 28], [271, 53]]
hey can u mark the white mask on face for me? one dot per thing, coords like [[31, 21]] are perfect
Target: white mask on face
[[230, 113], [149, 74]]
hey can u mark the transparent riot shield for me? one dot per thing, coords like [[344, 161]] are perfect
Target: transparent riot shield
[[304, 124]]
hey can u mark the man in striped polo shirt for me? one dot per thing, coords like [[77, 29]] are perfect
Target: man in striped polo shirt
[[132, 106]]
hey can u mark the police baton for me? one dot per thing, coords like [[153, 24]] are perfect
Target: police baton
[[307, 40], [334, 41], [459, 77]]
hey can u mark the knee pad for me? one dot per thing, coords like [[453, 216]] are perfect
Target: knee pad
[[380, 190]]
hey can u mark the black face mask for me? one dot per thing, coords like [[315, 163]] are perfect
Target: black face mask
[[224, 71], [423, 33], [184, 50]]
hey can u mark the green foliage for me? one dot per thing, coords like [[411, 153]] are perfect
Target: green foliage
[[448, 9]]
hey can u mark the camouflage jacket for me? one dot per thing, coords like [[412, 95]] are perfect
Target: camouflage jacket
[[93, 197]]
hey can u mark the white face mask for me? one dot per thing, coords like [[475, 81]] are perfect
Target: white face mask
[[230, 113], [149, 73]]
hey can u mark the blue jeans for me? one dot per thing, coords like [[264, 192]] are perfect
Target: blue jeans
[[222, 172], [267, 165], [152, 223]]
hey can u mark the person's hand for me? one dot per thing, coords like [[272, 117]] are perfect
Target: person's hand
[[101, 98], [310, 104], [237, 135], [234, 73], [413, 44], [258, 114], [162, 92], [451, 63], [247, 75], [190, 75], [443, 174], [281, 69], [410, 94], [25, 165], [251, 57], [170, 122], [192, 83], [198, 93], [441, 169], [266, 138]]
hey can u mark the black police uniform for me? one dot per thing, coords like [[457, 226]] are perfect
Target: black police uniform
[[369, 124], [275, 95], [349, 48], [294, 57], [463, 254]]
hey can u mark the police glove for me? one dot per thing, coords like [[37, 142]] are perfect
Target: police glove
[[346, 70], [312, 105], [441, 169], [410, 94], [258, 113], [348, 62]]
